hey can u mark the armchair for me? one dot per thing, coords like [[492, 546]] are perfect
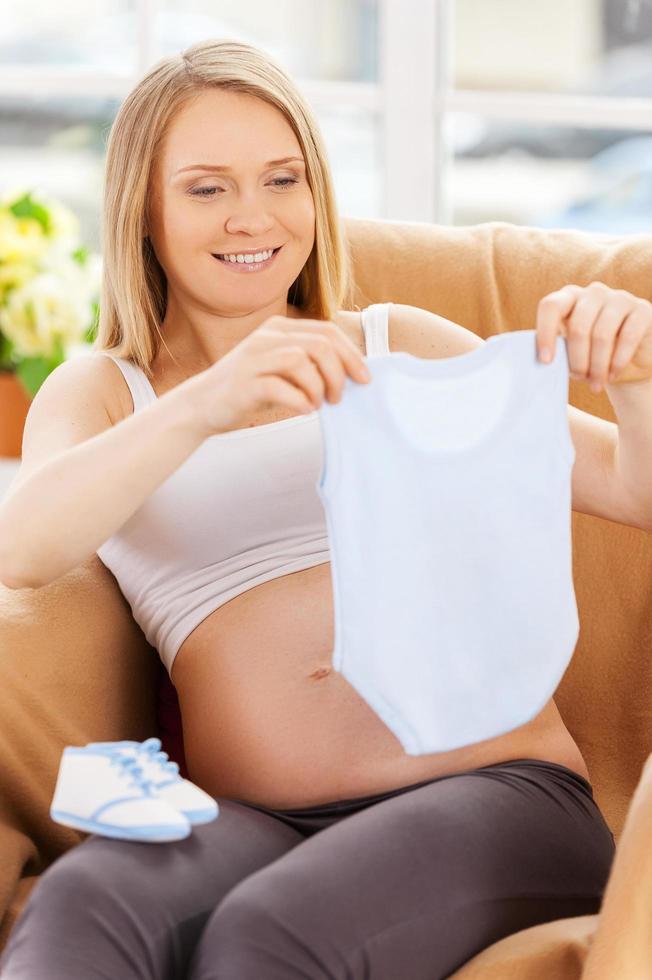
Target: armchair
[[77, 668]]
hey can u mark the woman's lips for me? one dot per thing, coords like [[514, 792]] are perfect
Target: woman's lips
[[247, 267]]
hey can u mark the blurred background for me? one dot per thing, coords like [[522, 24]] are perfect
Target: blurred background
[[454, 111]]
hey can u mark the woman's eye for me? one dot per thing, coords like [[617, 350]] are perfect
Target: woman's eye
[[284, 182], [204, 191]]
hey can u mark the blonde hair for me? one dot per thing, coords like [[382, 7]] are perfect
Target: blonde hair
[[133, 292]]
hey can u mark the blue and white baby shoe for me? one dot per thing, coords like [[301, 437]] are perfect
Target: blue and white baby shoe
[[166, 782], [107, 793]]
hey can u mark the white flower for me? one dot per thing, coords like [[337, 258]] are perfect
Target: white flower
[[22, 240], [55, 304], [64, 228], [46, 295]]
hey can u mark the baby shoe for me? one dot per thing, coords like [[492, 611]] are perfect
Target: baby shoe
[[165, 780], [106, 793]]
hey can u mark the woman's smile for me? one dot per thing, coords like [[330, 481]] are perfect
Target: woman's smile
[[245, 267]]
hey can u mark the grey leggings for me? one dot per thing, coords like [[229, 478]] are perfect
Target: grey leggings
[[408, 883]]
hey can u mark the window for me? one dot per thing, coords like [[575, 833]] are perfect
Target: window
[[54, 137], [432, 110], [549, 114]]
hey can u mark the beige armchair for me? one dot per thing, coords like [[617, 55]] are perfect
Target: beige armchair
[[77, 668]]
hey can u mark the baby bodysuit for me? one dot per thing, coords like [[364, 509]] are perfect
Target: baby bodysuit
[[446, 485]]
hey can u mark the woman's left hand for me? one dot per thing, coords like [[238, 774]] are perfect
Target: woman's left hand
[[608, 333]]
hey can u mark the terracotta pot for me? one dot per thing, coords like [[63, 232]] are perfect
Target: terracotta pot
[[14, 405]]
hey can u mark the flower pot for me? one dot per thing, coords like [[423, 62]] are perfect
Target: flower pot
[[14, 405]]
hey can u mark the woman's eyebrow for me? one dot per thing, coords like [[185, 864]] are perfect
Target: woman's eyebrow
[[219, 167]]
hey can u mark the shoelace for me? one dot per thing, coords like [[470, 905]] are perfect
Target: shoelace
[[131, 765], [150, 747]]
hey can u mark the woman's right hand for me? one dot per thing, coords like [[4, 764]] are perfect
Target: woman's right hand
[[285, 362]]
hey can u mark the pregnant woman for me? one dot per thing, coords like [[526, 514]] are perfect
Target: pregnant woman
[[335, 853]]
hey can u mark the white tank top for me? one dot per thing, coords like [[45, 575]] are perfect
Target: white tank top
[[242, 509], [446, 485]]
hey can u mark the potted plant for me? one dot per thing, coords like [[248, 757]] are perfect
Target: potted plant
[[49, 301]]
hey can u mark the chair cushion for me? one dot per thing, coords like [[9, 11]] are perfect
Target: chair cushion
[[550, 951]]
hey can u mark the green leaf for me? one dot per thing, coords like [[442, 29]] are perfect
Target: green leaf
[[91, 332], [59, 354], [32, 371], [26, 207], [6, 347], [80, 255]]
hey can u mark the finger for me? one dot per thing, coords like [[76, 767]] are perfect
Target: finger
[[551, 312], [327, 357], [353, 359], [604, 338], [629, 337], [295, 365], [579, 327]]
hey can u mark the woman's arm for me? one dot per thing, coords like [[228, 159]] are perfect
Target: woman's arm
[[622, 944], [81, 476], [609, 343]]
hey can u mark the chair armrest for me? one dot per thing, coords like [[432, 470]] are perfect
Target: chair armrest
[[75, 668], [622, 943]]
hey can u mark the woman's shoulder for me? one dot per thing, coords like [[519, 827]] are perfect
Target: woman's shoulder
[[111, 384], [75, 402]]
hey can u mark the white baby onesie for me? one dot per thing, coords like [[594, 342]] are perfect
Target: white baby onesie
[[446, 485]]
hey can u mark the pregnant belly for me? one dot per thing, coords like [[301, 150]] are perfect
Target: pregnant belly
[[267, 719]]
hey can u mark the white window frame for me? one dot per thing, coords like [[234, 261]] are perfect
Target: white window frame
[[415, 104], [411, 100]]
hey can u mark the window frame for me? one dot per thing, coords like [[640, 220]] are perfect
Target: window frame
[[411, 101]]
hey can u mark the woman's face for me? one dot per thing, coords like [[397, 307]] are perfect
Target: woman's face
[[197, 213]]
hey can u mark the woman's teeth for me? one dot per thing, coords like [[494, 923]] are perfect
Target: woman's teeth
[[249, 263], [257, 257]]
